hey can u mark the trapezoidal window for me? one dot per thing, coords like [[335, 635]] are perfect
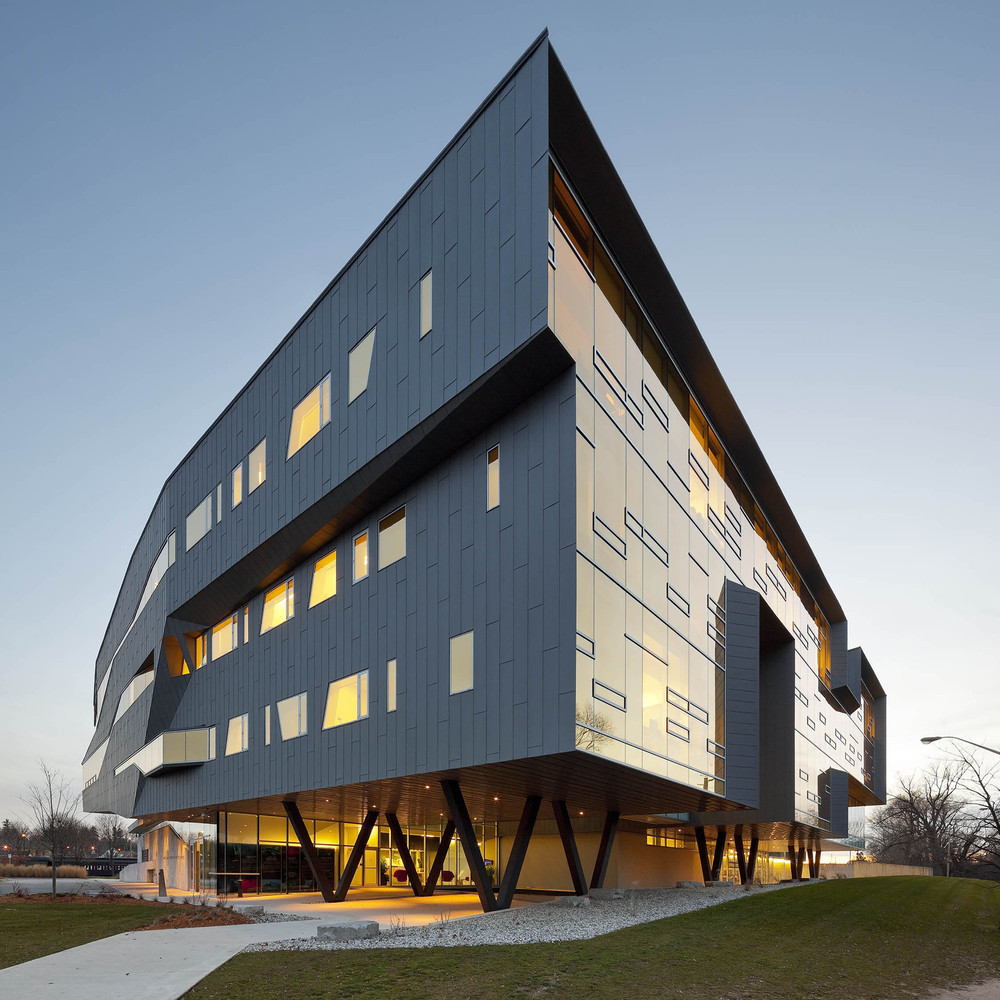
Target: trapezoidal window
[[279, 606], [461, 662], [198, 523], [163, 562], [258, 466], [324, 582], [493, 477], [392, 538], [359, 366], [225, 636], [361, 556], [309, 416], [292, 719], [346, 700], [236, 737]]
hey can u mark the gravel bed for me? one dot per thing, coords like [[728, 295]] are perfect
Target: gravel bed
[[536, 923]]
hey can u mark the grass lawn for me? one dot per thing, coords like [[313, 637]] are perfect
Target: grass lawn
[[31, 929], [856, 938]]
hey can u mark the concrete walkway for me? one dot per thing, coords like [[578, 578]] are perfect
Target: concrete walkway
[[163, 965]]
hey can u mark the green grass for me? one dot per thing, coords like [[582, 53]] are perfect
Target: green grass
[[30, 930], [860, 938]]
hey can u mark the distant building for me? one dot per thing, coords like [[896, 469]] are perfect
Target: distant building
[[485, 545]]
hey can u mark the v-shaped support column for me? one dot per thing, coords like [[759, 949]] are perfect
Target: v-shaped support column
[[309, 849], [569, 846], [357, 853], [517, 852], [438, 863], [467, 836], [403, 849], [604, 851]]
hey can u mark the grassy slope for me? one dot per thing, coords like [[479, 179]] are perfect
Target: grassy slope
[[30, 930], [863, 938]]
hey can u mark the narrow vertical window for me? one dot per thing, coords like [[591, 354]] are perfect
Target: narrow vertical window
[[267, 725], [461, 662], [392, 538], [279, 606], [390, 686], [246, 624], [361, 556], [324, 582], [218, 503], [359, 366], [238, 485], [200, 650], [309, 416], [425, 304], [258, 465], [493, 477]]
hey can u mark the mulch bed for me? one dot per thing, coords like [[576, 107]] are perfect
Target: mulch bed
[[175, 915]]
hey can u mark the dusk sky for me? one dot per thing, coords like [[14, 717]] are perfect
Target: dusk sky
[[181, 180]]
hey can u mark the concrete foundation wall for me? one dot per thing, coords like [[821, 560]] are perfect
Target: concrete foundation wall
[[870, 869], [632, 865], [169, 852]]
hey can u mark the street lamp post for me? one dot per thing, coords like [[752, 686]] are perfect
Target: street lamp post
[[959, 739]]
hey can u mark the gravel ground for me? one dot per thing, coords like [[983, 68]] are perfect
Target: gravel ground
[[533, 924]]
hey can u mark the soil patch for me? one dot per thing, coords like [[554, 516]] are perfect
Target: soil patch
[[174, 915]]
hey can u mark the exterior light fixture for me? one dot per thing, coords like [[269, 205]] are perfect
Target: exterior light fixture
[[959, 739]]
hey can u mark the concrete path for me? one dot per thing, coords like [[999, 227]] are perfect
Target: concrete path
[[163, 965], [140, 965]]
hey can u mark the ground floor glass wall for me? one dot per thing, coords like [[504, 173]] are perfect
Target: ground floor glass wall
[[261, 854]]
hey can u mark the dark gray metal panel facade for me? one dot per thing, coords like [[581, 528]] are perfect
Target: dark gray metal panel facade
[[845, 669], [743, 717], [834, 790], [477, 221], [777, 724]]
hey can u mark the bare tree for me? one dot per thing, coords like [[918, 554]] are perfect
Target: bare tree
[[53, 806], [981, 783], [593, 729], [928, 821], [112, 835]]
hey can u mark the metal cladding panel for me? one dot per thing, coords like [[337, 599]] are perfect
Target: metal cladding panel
[[479, 226], [743, 736], [777, 723], [836, 801], [845, 669]]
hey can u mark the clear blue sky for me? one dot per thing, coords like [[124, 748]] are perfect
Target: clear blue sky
[[180, 180]]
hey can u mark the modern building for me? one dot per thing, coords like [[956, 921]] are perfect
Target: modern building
[[482, 578]]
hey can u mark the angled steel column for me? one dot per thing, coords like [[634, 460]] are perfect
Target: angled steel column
[[792, 858], [741, 858], [357, 853], [801, 862], [438, 863], [752, 860], [604, 851], [399, 842], [720, 853], [706, 868], [309, 849], [467, 836], [814, 862], [569, 846], [517, 852]]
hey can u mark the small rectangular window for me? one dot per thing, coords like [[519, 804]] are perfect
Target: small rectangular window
[[461, 662], [279, 606], [236, 738], [493, 477], [359, 365], [246, 624], [218, 503], [258, 466], [346, 701], [361, 556], [390, 686], [267, 725], [392, 538], [225, 636], [292, 716], [309, 416], [198, 523], [425, 304], [238, 485], [324, 583]]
